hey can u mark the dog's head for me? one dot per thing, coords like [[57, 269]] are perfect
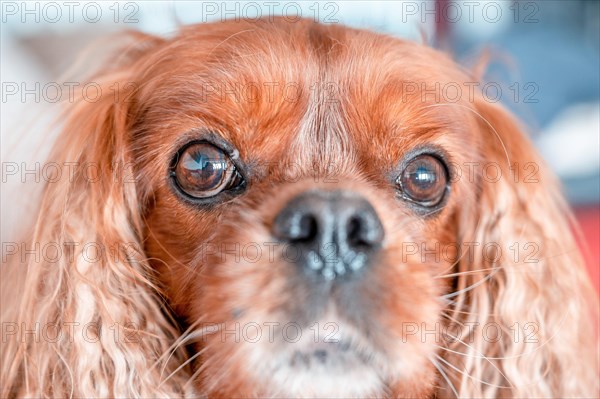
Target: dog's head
[[290, 200], [318, 206]]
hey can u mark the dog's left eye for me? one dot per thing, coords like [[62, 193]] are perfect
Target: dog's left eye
[[204, 170], [424, 180]]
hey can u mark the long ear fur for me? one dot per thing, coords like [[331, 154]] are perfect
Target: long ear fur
[[81, 317], [524, 313]]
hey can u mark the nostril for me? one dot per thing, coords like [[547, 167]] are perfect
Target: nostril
[[355, 235], [296, 227], [305, 230], [364, 230]]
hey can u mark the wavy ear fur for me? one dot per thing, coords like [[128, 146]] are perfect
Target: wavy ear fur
[[85, 319], [534, 288]]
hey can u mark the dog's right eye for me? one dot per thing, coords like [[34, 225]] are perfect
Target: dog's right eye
[[203, 170]]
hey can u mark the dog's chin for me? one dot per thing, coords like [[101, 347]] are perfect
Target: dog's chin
[[338, 364], [327, 372]]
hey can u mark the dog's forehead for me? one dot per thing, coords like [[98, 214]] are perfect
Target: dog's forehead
[[317, 93]]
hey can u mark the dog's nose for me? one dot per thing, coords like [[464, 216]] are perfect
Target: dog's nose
[[334, 233]]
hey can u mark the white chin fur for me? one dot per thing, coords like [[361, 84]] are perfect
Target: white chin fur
[[290, 368]]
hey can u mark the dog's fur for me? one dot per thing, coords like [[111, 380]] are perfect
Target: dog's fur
[[307, 106]]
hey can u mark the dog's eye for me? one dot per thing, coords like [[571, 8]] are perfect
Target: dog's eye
[[203, 170], [424, 180]]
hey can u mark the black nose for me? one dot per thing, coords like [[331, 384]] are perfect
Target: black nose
[[334, 233]]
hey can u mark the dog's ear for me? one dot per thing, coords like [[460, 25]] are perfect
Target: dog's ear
[[86, 320], [524, 287]]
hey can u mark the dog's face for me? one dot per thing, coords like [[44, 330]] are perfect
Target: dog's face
[[294, 180]]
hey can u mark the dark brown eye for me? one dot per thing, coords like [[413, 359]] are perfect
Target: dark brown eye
[[204, 170], [424, 180]]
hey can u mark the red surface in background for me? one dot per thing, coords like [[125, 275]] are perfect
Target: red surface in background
[[589, 221]]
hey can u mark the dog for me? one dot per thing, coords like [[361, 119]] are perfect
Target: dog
[[280, 208]]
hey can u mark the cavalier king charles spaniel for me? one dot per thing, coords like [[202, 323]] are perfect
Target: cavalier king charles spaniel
[[278, 208]]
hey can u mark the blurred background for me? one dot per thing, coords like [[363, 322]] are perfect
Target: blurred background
[[545, 65]]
